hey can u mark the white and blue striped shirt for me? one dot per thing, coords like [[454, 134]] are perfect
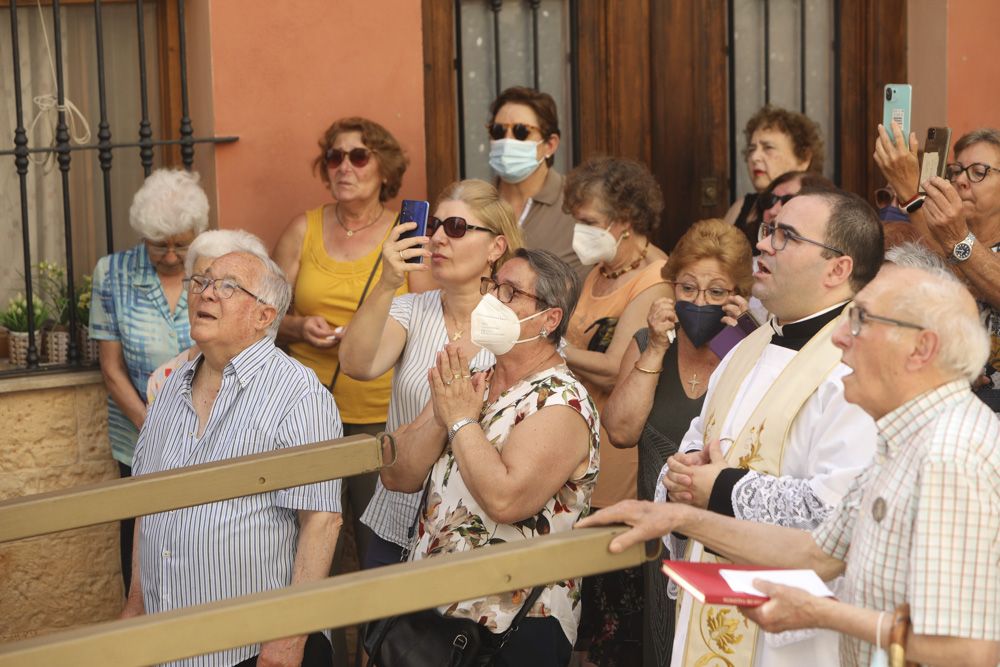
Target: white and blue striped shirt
[[390, 514], [236, 547]]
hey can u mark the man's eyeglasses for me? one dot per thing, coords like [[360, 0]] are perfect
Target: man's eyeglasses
[[224, 287], [358, 156], [455, 227], [504, 291], [161, 249], [781, 234], [859, 317], [713, 295], [975, 172], [521, 130]]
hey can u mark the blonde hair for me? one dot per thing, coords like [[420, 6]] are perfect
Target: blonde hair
[[714, 239], [490, 209]]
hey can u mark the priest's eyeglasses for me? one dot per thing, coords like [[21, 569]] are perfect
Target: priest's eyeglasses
[[859, 317], [781, 234]]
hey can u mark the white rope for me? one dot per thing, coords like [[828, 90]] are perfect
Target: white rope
[[49, 108]]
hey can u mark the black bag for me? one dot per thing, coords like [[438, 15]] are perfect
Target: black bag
[[428, 639]]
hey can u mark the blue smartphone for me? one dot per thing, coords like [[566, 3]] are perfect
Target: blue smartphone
[[896, 109], [413, 210]]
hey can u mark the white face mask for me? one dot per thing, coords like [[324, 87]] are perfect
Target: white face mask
[[495, 326], [514, 160], [593, 244]]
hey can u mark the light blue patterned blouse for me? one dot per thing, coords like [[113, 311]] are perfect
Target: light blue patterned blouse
[[128, 305]]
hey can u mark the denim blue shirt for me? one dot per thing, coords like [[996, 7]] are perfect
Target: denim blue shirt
[[128, 306]]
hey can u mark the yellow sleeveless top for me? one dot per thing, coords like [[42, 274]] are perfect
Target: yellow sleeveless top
[[331, 289]]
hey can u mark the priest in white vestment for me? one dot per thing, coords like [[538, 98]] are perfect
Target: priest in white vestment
[[776, 442]]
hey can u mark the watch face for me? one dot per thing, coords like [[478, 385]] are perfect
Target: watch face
[[962, 251]]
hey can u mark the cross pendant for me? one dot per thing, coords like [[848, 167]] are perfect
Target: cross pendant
[[694, 382]]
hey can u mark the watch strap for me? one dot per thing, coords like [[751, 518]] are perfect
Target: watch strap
[[963, 249], [458, 426]]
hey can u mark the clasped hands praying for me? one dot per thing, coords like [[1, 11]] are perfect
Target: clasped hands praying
[[692, 475]]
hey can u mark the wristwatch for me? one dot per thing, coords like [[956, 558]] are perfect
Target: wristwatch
[[457, 426], [963, 249], [913, 204]]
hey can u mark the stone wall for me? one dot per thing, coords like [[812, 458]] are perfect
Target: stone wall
[[50, 439]]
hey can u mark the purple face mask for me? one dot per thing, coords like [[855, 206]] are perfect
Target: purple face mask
[[892, 214]]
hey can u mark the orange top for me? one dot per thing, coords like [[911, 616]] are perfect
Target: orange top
[[619, 467]]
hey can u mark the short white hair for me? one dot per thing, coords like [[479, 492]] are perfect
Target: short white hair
[[939, 302], [916, 256], [218, 242], [169, 203], [272, 288]]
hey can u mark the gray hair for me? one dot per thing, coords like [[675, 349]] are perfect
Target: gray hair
[[980, 135], [218, 242], [556, 283], [272, 288], [915, 256], [170, 202], [941, 303]]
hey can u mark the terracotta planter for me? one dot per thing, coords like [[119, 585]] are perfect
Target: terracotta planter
[[89, 349], [18, 341]]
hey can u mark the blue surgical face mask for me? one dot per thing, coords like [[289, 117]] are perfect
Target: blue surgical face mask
[[892, 214], [514, 160], [700, 323]]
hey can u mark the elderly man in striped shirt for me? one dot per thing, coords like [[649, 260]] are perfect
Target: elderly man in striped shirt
[[240, 396], [921, 524]]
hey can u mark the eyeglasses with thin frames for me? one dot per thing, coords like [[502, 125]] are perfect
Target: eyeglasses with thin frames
[[859, 317], [715, 296], [975, 172], [224, 287], [157, 249], [780, 235], [504, 291]]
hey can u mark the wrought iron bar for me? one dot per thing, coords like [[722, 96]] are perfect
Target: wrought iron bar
[[802, 55], [21, 162], [104, 129], [63, 157], [767, 51], [534, 42], [145, 131], [128, 144], [459, 85], [574, 78], [187, 148], [495, 7]]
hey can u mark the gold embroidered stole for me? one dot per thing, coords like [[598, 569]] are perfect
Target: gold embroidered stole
[[719, 634]]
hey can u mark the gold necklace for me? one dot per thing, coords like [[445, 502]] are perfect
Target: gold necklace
[[454, 323], [611, 275], [351, 232]]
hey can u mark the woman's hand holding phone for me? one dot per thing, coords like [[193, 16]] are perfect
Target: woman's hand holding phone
[[897, 162], [395, 252]]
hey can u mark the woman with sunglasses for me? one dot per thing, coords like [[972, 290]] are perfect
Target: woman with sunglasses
[[663, 378], [778, 141], [959, 220], [616, 204], [471, 234], [524, 137]]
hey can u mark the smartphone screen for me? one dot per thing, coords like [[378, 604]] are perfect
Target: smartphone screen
[[896, 109], [413, 210]]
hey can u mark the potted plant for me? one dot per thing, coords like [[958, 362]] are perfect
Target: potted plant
[[90, 348], [15, 320], [55, 296]]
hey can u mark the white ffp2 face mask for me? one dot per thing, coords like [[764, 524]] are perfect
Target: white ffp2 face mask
[[593, 244], [495, 326]]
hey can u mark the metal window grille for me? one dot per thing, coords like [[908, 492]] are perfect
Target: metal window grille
[[509, 43], [64, 149], [782, 52]]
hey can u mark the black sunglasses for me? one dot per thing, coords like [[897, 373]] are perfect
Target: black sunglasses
[[358, 156], [521, 130], [455, 227], [768, 201]]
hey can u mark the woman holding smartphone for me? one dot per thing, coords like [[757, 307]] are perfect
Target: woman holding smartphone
[[472, 232]]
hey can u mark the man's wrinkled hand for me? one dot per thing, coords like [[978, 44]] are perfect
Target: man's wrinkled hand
[[647, 521], [285, 652]]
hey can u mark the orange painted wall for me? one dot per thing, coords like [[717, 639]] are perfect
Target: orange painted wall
[[973, 65], [282, 72]]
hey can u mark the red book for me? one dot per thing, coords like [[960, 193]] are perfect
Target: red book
[[703, 581]]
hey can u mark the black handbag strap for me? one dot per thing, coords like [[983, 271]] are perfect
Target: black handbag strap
[[364, 293]]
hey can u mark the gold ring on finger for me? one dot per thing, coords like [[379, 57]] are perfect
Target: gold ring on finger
[[456, 375], [401, 256]]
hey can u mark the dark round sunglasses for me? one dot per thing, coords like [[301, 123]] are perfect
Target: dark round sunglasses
[[358, 156], [454, 227], [521, 131]]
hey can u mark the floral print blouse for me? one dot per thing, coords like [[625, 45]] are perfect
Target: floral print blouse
[[452, 521]]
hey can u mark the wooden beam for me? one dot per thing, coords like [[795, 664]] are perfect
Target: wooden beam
[[174, 489], [336, 602]]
